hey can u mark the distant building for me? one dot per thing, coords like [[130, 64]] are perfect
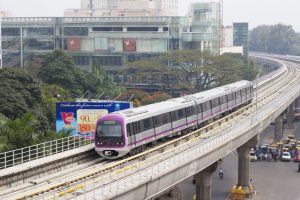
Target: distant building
[[109, 42], [241, 36], [228, 36], [5, 13], [118, 8], [232, 49]]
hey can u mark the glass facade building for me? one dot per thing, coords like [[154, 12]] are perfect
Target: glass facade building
[[108, 42], [241, 36]]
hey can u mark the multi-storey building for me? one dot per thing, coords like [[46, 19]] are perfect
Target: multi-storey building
[[241, 36], [109, 42]]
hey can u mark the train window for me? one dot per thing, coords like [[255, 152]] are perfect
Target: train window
[[192, 110], [174, 116], [238, 94], [230, 97], [147, 124], [243, 92], [222, 100], [156, 120], [180, 113], [164, 118], [208, 106], [199, 108], [129, 133], [215, 103], [188, 111], [137, 127]]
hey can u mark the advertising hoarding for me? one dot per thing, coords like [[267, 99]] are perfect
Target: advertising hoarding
[[80, 117], [129, 45], [74, 44]]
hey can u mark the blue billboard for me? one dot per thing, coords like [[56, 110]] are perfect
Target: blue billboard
[[80, 118]]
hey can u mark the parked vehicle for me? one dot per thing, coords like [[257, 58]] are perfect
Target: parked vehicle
[[286, 156]]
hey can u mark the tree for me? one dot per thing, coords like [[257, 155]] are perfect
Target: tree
[[279, 39], [19, 92], [191, 70], [98, 82], [156, 97], [59, 68]]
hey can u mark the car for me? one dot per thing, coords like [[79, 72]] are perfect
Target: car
[[297, 158], [253, 156], [286, 156]]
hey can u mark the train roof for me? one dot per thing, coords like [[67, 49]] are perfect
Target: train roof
[[181, 102]]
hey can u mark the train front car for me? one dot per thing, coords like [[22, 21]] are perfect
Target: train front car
[[110, 137]]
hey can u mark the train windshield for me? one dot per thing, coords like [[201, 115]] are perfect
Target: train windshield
[[109, 129]]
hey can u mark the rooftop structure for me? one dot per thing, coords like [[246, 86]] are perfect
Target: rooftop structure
[[117, 8]]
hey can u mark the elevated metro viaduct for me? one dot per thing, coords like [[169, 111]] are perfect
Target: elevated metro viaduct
[[200, 160]]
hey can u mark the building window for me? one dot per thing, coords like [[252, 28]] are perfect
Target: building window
[[40, 31], [166, 29], [107, 29], [81, 60], [141, 29], [11, 31], [75, 31], [38, 44], [107, 60]]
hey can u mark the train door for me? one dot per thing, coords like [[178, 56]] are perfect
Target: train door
[[131, 134], [199, 113]]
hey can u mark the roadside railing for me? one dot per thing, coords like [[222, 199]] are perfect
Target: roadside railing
[[26, 154]]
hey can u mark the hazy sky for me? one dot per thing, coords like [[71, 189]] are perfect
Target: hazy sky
[[256, 12]]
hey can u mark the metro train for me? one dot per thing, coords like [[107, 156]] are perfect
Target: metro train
[[130, 131]]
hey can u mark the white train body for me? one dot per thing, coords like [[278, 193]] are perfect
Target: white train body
[[127, 131]]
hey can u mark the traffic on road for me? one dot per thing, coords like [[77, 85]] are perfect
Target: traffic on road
[[285, 150]]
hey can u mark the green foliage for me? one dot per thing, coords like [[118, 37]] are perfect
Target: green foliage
[[19, 92], [278, 39], [97, 82], [22, 132], [191, 70], [27, 107], [58, 68]]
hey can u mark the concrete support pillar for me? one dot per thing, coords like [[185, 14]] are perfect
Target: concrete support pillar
[[244, 161], [297, 103], [204, 182], [278, 128], [290, 116]]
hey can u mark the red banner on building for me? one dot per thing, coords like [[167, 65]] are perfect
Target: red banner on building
[[74, 44], [129, 45]]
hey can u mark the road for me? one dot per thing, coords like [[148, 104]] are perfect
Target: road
[[272, 180]]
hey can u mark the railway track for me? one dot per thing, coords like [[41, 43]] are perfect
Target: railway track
[[66, 186]]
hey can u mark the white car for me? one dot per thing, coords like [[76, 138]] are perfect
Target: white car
[[286, 156], [253, 156]]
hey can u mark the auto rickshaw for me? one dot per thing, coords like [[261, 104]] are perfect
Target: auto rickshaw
[[291, 137], [283, 149], [274, 145]]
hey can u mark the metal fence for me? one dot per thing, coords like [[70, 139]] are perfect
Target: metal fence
[[26, 154]]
